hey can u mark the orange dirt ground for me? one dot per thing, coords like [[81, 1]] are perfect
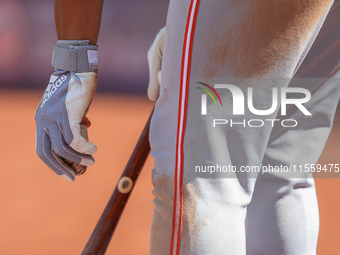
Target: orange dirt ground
[[43, 214]]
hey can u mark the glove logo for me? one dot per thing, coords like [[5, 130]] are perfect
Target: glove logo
[[52, 87]]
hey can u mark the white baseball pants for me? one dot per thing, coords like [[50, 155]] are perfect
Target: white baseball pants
[[207, 42]]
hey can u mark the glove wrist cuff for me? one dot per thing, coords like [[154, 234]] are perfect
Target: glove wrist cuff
[[75, 56]]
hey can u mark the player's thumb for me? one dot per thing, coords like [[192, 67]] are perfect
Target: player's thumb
[[81, 142], [154, 86]]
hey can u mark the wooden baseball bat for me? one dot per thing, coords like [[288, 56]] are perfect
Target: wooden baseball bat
[[107, 223]]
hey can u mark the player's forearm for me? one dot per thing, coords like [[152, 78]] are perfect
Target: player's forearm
[[78, 19]]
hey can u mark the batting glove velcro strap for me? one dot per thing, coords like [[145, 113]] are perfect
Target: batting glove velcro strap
[[75, 56]]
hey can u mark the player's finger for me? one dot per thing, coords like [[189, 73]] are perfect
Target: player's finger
[[155, 55], [45, 153], [154, 67], [159, 77], [80, 142], [62, 149], [86, 121], [154, 87]]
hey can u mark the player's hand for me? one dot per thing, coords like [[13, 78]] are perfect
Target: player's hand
[[61, 125], [155, 55]]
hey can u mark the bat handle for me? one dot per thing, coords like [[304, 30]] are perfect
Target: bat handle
[[107, 223]]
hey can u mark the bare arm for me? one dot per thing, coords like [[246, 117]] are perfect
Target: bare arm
[[78, 19]]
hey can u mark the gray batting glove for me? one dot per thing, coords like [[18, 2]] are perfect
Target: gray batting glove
[[155, 55], [61, 132]]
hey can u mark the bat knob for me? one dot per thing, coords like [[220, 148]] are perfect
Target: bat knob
[[125, 185]]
